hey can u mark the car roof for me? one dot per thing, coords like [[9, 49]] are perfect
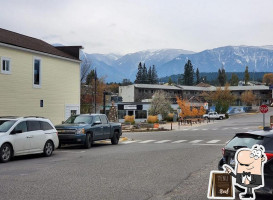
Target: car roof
[[17, 118], [259, 133], [89, 115]]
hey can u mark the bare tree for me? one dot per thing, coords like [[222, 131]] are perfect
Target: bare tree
[[85, 68], [160, 104]]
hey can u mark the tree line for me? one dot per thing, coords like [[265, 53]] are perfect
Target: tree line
[[146, 76]]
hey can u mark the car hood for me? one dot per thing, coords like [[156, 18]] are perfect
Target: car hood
[[70, 126]]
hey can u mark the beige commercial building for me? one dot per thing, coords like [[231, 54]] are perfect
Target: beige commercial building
[[38, 79]]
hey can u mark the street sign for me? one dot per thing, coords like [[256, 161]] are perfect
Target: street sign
[[264, 109]]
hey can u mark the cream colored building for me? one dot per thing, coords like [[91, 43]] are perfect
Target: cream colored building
[[37, 79]]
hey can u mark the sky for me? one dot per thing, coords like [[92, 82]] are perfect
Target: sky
[[128, 26]]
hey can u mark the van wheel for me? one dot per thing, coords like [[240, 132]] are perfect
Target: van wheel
[[48, 149], [115, 138], [5, 153], [221, 118], [88, 141]]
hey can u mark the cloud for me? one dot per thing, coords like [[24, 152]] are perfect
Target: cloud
[[126, 26]]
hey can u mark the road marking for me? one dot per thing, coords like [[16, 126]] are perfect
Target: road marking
[[204, 129], [246, 128], [128, 142], [214, 129], [162, 141], [195, 129], [224, 128], [210, 144], [195, 141], [178, 141], [213, 141], [185, 129], [235, 128], [146, 141]]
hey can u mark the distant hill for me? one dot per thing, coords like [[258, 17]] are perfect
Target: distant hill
[[171, 61], [211, 77]]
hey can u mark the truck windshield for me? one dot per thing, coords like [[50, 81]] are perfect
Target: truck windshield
[[5, 125], [79, 120]]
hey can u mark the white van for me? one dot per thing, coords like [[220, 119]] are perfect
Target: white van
[[26, 135]]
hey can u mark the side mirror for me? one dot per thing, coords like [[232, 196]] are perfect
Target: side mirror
[[16, 131]]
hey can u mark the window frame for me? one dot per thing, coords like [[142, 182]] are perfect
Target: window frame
[[40, 73], [5, 71]]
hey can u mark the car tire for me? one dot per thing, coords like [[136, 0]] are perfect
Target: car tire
[[88, 141], [221, 118], [5, 153], [48, 149], [115, 138]]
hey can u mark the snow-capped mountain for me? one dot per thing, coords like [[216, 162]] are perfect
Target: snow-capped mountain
[[171, 61]]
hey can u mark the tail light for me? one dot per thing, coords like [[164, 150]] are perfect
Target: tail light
[[223, 151], [269, 156]]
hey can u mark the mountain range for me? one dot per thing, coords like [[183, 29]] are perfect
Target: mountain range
[[115, 67]]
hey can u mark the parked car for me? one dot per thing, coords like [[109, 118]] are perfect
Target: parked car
[[86, 128], [26, 135], [214, 115], [247, 140]]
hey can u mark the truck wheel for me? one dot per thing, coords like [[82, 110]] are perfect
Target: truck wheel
[[221, 118], [115, 138], [88, 141], [5, 153]]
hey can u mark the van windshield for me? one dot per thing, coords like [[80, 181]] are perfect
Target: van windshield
[[79, 120], [5, 125]]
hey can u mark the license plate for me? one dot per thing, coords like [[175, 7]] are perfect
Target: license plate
[[232, 162]]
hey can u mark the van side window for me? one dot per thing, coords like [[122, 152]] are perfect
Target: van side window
[[33, 125], [21, 126], [46, 126]]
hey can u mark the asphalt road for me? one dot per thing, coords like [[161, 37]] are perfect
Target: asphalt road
[[155, 165]]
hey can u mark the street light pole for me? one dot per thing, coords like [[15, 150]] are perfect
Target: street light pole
[[95, 90]]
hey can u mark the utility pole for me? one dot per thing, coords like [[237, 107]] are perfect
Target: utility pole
[[95, 90]]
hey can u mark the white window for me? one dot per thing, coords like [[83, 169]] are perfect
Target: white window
[[5, 66], [37, 73]]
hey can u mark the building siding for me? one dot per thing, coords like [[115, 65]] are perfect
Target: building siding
[[60, 86]]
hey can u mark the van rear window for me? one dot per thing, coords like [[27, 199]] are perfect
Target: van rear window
[[245, 140]]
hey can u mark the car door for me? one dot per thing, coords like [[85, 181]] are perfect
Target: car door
[[106, 127], [21, 141], [37, 136], [97, 128]]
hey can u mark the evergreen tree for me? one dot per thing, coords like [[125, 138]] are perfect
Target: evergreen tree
[[90, 77], [188, 73], [154, 76], [246, 75], [234, 80], [139, 74], [170, 82], [144, 75], [197, 76], [222, 76], [150, 75]]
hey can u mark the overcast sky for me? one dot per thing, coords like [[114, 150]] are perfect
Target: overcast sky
[[126, 26]]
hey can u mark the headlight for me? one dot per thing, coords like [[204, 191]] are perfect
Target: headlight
[[80, 131]]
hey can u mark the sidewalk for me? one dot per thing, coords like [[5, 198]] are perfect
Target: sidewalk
[[175, 126]]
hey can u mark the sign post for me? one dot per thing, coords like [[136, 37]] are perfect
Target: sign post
[[263, 109]]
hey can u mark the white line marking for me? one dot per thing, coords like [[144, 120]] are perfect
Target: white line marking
[[185, 129], [195, 141], [235, 128], [214, 129], [146, 141], [246, 128], [204, 129], [210, 144], [179, 141], [213, 141], [128, 142], [162, 141], [224, 128], [195, 129]]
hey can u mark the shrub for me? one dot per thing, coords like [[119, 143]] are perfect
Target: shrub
[[169, 117], [130, 119], [152, 119], [227, 116]]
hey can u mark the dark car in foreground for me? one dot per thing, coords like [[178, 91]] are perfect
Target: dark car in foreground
[[247, 140], [86, 128]]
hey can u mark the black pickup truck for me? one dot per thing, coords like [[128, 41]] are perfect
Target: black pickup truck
[[87, 128]]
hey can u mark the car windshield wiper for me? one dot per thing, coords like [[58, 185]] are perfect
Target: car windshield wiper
[[239, 147]]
